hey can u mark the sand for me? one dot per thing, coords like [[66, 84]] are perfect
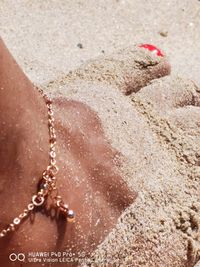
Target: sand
[[159, 140], [43, 35]]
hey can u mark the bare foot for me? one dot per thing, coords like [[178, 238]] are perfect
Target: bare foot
[[89, 179], [164, 150]]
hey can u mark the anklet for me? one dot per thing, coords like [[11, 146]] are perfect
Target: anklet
[[47, 185]]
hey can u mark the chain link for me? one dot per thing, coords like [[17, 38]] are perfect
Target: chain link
[[48, 181]]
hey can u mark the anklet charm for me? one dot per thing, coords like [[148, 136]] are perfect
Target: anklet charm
[[47, 185]]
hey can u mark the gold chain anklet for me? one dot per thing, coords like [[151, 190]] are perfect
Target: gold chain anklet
[[47, 184]]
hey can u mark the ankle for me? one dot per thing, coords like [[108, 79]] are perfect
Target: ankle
[[23, 131]]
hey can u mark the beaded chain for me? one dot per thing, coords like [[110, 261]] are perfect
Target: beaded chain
[[47, 184]]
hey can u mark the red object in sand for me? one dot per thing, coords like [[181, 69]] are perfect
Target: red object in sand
[[153, 49]]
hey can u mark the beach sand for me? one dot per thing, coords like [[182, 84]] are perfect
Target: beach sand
[[55, 43]]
